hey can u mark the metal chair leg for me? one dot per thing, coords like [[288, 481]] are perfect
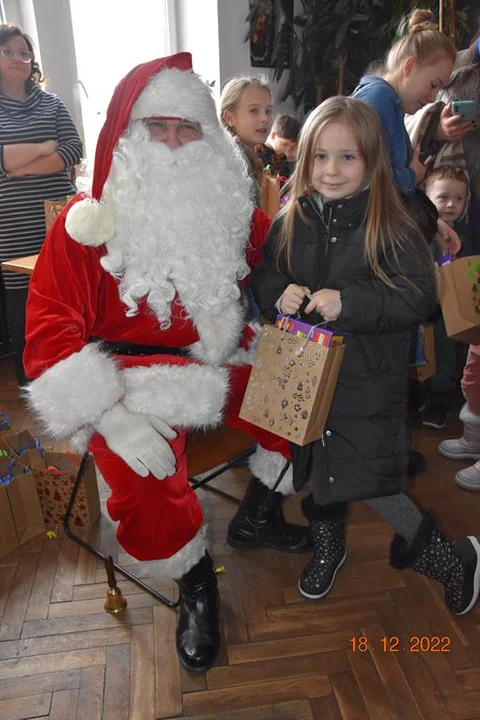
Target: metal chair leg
[[218, 471], [151, 591]]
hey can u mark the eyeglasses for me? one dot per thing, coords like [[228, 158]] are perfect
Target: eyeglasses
[[186, 130], [24, 55]]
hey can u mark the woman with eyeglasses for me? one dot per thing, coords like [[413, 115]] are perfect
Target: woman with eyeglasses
[[39, 144]]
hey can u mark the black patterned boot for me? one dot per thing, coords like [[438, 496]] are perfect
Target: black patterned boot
[[259, 522], [198, 635], [327, 525], [455, 564]]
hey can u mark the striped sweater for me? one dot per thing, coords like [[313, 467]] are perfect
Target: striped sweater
[[22, 222]]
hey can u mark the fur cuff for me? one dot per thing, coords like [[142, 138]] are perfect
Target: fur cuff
[[267, 466], [182, 395], [403, 555], [312, 511], [183, 560], [467, 416], [75, 391]]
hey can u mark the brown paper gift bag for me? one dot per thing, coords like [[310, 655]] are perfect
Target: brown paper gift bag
[[291, 386], [460, 298], [270, 195], [53, 208], [429, 367], [19, 493], [54, 485], [8, 533], [25, 447]]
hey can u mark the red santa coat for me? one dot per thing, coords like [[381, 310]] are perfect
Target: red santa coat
[[72, 301]]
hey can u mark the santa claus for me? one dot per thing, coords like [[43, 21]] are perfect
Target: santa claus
[[136, 331]]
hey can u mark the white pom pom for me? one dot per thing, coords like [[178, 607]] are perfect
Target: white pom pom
[[90, 222]]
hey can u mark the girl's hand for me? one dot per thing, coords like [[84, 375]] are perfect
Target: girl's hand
[[292, 299], [418, 167], [448, 239], [327, 303], [450, 127]]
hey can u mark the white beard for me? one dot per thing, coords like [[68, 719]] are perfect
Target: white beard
[[182, 222]]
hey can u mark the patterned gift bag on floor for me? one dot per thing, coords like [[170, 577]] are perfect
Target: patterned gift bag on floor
[[54, 483]]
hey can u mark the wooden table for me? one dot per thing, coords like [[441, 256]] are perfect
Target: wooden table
[[21, 265]]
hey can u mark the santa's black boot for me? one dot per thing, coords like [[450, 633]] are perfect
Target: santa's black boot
[[455, 564], [327, 525], [198, 634], [259, 522]]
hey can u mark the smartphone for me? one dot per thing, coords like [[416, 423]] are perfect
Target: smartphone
[[466, 108]]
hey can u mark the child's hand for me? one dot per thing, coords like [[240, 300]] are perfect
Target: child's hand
[[292, 299], [448, 239], [327, 303]]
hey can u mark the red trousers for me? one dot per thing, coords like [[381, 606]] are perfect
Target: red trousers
[[157, 518], [471, 379]]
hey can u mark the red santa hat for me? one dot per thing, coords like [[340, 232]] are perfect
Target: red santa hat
[[90, 221]]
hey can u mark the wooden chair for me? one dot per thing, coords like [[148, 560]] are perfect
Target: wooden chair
[[208, 456]]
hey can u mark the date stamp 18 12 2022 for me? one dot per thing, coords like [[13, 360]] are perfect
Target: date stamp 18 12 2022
[[415, 643]]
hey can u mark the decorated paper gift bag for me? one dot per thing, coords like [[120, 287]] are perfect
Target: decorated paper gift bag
[[270, 195], [291, 385], [25, 447], [460, 298], [19, 499], [53, 208], [54, 485]]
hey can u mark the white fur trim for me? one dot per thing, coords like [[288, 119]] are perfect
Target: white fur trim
[[177, 93], [75, 391], [467, 416], [183, 561], [90, 222], [181, 395], [219, 334], [267, 466], [243, 356]]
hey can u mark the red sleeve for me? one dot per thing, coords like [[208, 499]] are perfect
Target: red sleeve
[[258, 232], [62, 300]]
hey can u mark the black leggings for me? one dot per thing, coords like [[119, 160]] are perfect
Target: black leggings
[[16, 310]]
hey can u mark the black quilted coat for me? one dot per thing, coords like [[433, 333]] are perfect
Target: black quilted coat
[[364, 451]]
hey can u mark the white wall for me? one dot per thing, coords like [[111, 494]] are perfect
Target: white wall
[[197, 32]]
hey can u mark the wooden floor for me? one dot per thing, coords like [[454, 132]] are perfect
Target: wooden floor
[[282, 658]]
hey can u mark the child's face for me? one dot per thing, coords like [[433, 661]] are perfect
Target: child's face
[[338, 167], [420, 83], [449, 197], [282, 145], [252, 116]]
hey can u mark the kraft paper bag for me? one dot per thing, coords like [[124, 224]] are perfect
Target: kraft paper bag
[[270, 195], [291, 385], [54, 483], [428, 367], [20, 494], [25, 447], [8, 533], [459, 283], [53, 208]]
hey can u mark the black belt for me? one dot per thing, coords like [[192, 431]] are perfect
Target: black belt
[[124, 348]]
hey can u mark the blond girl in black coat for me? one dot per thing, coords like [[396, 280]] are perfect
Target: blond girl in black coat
[[345, 251]]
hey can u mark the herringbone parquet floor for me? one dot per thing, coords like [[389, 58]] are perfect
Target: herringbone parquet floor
[[282, 658]]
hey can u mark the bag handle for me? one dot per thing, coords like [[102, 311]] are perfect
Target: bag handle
[[9, 477]]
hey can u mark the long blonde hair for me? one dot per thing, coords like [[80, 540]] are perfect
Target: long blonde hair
[[421, 40], [229, 99], [389, 227]]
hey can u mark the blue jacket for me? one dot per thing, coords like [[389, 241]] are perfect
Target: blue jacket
[[380, 95]]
